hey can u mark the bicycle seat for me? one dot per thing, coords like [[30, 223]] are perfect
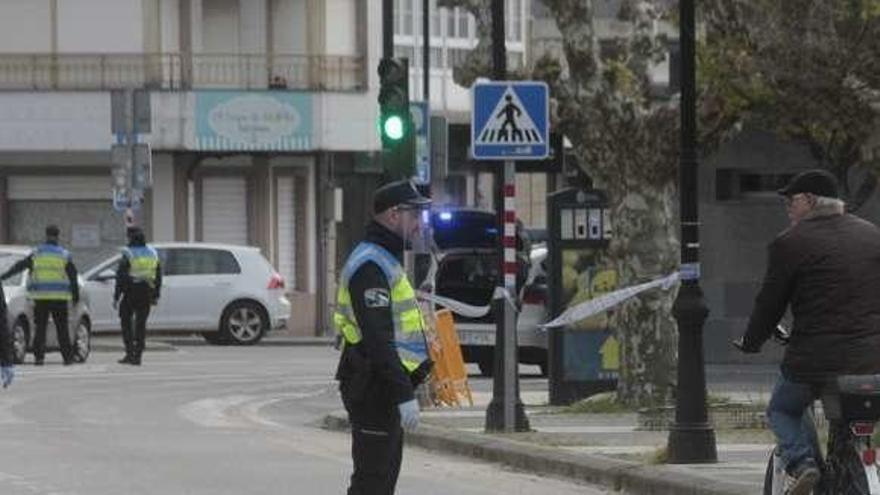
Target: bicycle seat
[[852, 398]]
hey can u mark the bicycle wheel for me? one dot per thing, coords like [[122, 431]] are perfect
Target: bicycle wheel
[[773, 476], [847, 470]]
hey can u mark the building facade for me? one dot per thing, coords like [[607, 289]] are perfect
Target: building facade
[[252, 105]]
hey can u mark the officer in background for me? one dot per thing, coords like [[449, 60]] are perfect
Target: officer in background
[[138, 282], [384, 356], [52, 285], [7, 358]]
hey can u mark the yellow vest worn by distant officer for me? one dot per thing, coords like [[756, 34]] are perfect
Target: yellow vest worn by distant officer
[[144, 261], [48, 277], [408, 322]]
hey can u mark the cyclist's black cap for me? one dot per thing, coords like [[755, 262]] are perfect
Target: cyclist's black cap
[[53, 231], [816, 181], [398, 193]]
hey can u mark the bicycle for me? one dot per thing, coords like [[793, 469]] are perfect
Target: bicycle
[[851, 404]]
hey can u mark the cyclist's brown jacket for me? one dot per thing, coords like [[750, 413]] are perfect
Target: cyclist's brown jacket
[[827, 268]]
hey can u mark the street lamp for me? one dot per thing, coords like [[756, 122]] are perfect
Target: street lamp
[[691, 438]]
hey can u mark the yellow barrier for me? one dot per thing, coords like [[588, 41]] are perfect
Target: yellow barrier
[[449, 380]]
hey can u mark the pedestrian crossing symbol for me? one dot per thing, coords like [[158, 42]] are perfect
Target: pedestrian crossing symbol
[[510, 121]]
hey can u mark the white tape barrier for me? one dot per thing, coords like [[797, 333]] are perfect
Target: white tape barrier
[[608, 301], [570, 316]]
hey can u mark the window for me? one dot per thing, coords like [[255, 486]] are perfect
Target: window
[[436, 57], [6, 262], [450, 22], [732, 184], [406, 52], [463, 24], [199, 262], [396, 16], [514, 20], [435, 19], [406, 14]]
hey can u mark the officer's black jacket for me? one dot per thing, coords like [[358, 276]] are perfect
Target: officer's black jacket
[[28, 264], [376, 323], [124, 281], [6, 357]]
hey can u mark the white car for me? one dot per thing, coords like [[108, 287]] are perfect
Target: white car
[[229, 294], [20, 314], [467, 271]]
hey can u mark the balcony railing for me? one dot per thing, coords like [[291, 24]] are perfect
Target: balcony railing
[[176, 71]]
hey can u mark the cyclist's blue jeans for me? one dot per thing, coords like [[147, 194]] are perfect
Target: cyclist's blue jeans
[[795, 430]]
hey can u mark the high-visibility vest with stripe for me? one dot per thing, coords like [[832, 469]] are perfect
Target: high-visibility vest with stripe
[[48, 279], [409, 324], [143, 261]]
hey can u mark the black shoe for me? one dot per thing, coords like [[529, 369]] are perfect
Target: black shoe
[[125, 360], [38, 361], [136, 361]]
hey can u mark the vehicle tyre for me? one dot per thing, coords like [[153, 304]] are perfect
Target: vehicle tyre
[[82, 341], [243, 323], [849, 474], [20, 339], [486, 365], [215, 338]]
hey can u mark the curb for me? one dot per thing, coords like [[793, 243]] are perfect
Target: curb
[[107, 346], [266, 342], [615, 474]]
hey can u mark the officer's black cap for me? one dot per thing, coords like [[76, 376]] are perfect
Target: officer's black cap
[[399, 193], [53, 231], [817, 181]]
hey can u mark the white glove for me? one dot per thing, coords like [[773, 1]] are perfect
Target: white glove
[[7, 373], [409, 414], [115, 305]]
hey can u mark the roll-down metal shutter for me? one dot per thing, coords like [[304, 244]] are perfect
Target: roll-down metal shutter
[[224, 210]]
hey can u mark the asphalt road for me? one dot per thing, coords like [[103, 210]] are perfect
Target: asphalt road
[[206, 420]]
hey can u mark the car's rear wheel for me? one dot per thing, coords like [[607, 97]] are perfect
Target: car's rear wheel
[[20, 338], [82, 341], [243, 323]]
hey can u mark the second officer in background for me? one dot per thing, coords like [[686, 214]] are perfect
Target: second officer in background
[[138, 283]]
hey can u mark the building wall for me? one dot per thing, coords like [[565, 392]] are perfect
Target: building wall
[[25, 26], [121, 30]]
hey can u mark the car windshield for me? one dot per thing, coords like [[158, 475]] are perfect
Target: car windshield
[[6, 261]]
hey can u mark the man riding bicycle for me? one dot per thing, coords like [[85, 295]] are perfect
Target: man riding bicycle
[[826, 266]]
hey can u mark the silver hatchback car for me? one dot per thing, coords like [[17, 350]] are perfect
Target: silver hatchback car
[[20, 314]]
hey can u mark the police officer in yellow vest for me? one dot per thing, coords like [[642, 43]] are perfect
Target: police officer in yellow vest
[[384, 354], [52, 285], [138, 282]]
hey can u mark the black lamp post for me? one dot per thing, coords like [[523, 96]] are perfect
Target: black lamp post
[[691, 438]]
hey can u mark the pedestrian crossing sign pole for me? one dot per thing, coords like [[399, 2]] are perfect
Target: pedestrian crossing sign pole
[[510, 120]]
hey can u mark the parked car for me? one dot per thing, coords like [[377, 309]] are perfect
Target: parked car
[[229, 294], [467, 271], [21, 313]]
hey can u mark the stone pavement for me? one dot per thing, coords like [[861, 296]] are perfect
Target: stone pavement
[[609, 449]]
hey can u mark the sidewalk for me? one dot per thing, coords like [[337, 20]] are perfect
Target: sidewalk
[[605, 449]]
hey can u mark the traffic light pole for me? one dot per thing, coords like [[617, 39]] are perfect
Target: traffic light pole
[[506, 411], [387, 28]]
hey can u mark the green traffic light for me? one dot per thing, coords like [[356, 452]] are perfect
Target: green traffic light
[[393, 127]]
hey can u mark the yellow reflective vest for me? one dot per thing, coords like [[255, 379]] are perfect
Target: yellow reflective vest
[[143, 261], [48, 279], [408, 322]]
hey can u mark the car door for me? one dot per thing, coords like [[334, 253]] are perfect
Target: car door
[[99, 285], [197, 285]]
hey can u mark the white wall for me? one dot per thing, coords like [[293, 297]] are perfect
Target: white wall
[[65, 121], [25, 26], [100, 26], [252, 26], [289, 29], [170, 25], [346, 121], [341, 27]]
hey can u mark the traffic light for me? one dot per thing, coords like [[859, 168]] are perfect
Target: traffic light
[[395, 121]]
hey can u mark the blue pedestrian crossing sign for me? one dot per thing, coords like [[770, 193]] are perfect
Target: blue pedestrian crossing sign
[[510, 121]]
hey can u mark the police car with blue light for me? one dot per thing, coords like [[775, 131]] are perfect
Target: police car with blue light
[[465, 269]]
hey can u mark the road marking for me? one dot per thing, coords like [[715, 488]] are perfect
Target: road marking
[[238, 411]]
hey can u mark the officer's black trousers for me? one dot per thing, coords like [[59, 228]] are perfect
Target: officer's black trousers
[[376, 444], [133, 312], [58, 310]]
